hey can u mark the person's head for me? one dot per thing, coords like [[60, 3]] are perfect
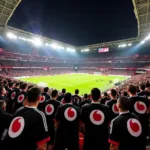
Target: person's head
[[63, 91], [123, 103], [76, 91], [5, 82], [30, 86], [2, 90], [3, 105], [24, 86], [54, 94], [137, 89], [46, 89], [119, 93], [85, 96], [105, 94], [33, 96], [113, 93], [67, 98], [142, 87], [21, 83], [95, 94], [125, 93], [132, 90], [147, 86], [11, 85], [1, 83], [17, 85]]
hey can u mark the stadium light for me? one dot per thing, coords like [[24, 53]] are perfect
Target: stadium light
[[70, 49], [147, 38], [46, 44], [61, 47], [25, 39], [56, 46], [85, 50], [37, 42], [53, 45], [30, 40], [11, 35], [143, 42], [124, 45]]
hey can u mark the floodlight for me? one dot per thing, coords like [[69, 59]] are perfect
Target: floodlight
[[37, 42], [124, 45], [130, 44], [86, 50], [30, 40], [147, 38], [70, 49], [142, 42], [11, 35], [46, 44], [54, 45], [61, 47], [24, 39]]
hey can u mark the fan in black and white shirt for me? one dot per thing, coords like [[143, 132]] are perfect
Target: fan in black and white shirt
[[67, 117], [126, 132], [50, 110], [28, 129]]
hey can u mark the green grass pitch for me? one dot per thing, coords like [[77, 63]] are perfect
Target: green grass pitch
[[83, 82]]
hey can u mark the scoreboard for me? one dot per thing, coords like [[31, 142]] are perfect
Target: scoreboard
[[103, 50]]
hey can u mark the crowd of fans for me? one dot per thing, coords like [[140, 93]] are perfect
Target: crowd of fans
[[71, 63], [35, 72], [58, 71], [147, 67], [119, 72], [40, 118], [136, 81]]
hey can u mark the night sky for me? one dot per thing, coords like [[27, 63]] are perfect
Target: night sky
[[77, 22]]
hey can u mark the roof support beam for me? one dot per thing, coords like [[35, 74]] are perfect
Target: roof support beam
[[147, 15], [139, 6], [144, 14]]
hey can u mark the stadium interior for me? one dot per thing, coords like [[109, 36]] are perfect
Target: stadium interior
[[23, 49], [25, 55]]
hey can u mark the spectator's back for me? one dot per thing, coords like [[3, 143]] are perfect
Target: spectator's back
[[67, 117]]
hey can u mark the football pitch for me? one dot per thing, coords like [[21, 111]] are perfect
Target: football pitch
[[83, 82]]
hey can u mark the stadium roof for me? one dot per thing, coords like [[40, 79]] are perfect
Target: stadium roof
[[141, 9], [7, 7], [25, 34], [142, 12]]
